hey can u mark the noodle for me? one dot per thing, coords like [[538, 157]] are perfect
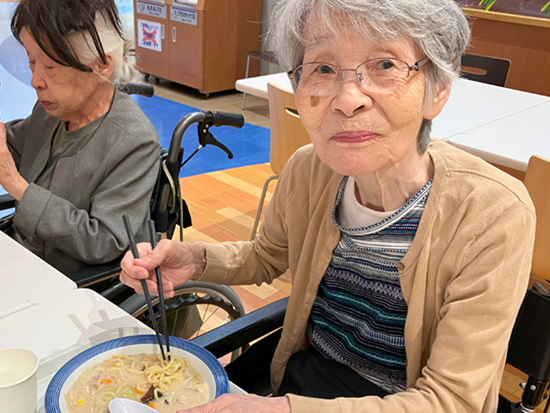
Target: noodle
[[177, 385]]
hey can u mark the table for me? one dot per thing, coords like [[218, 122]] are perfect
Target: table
[[25, 279], [60, 328], [473, 104], [257, 85], [510, 141], [42, 311], [63, 326]]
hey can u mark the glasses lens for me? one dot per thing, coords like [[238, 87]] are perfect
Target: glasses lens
[[383, 73], [318, 79], [323, 79]]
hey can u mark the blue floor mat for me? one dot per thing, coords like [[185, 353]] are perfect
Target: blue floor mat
[[250, 144]]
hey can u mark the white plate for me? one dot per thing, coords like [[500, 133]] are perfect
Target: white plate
[[201, 359]]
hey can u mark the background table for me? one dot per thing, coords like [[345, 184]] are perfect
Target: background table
[[257, 85], [510, 141], [473, 104]]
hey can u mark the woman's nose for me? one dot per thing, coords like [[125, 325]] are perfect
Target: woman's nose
[[37, 81], [351, 97]]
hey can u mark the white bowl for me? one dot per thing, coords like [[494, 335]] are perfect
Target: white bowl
[[206, 364], [129, 406]]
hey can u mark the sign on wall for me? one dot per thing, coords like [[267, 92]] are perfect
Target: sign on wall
[[149, 35], [183, 16], [155, 10]]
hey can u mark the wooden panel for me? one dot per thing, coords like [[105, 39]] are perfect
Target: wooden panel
[[187, 52], [510, 171], [248, 36], [220, 42], [150, 61], [527, 47]]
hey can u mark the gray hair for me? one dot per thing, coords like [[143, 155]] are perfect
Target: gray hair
[[113, 44], [439, 29]]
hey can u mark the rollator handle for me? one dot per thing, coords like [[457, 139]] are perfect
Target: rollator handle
[[225, 119], [134, 88]]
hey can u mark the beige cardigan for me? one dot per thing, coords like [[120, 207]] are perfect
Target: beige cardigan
[[463, 278]]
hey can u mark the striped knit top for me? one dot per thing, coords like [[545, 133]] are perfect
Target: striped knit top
[[358, 316]]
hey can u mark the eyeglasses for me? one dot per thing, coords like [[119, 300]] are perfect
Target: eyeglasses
[[382, 74]]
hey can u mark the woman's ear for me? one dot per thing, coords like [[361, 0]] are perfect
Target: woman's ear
[[440, 95], [104, 69]]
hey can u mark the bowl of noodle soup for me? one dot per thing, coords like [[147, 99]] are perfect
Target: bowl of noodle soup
[[127, 367]]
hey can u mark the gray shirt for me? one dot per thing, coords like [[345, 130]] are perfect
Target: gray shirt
[[77, 220]]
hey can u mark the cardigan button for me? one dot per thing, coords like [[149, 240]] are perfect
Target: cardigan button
[[400, 266]]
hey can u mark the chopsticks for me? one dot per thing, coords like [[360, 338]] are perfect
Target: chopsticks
[[135, 253], [153, 237]]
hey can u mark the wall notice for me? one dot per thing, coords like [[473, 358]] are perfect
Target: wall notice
[[183, 16], [149, 35], [155, 10]]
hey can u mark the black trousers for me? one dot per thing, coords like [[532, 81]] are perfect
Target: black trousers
[[309, 373]]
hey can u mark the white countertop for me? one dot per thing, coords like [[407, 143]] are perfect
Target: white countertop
[[257, 85], [63, 326], [510, 141], [473, 104], [25, 279]]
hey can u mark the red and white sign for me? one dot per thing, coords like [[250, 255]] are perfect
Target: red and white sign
[[149, 35]]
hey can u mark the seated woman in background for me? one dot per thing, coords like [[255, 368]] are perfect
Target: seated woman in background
[[409, 258], [87, 154]]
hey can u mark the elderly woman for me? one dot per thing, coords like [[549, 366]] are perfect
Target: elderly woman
[[87, 154], [409, 258]]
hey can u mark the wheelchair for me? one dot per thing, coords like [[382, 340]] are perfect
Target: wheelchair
[[196, 306]]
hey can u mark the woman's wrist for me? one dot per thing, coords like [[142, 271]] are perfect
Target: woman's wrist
[[18, 189], [199, 257]]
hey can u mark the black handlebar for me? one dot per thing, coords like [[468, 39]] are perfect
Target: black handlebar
[[133, 88], [205, 120], [225, 119]]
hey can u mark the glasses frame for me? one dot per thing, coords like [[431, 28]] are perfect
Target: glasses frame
[[415, 67]]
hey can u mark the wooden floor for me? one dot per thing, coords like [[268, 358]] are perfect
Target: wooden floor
[[223, 204]]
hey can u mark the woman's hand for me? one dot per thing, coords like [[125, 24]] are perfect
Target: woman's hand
[[178, 261], [243, 403], [10, 179]]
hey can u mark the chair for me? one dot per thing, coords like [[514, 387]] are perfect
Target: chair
[[259, 55], [529, 349], [491, 70], [536, 181], [287, 135]]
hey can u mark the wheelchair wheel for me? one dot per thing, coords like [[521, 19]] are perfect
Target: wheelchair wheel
[[196, 308]]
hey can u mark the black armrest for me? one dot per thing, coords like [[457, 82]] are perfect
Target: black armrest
[[243, 330], [6, 201], [92, 275]]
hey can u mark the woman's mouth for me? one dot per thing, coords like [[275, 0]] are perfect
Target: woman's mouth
[[45, 103], [354, 137]]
